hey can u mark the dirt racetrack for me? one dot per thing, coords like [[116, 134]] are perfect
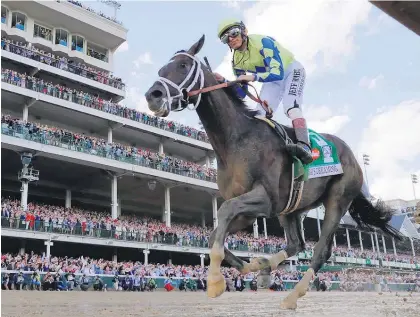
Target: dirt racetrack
[[180, 304]]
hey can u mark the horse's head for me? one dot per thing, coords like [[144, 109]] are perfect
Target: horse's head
[[183, 73]]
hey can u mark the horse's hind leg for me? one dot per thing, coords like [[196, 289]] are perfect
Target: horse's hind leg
[[336, 205], [292, 225], [250, 205]]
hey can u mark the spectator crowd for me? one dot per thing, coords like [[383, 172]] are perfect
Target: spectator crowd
[[61, 62], [77, 221], [143, 229], [79, 4], [100, 147], [84, 98], [67, 273]]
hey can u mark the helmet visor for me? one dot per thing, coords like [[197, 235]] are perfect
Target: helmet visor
[[232, 32]]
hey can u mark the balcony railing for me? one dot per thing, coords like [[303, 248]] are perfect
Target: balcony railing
[[105, 150], [130, 235]]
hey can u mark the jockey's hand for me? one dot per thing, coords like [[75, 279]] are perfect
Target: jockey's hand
[[219, 77], [246, 78]]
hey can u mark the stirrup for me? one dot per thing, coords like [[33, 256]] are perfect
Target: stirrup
[[300, 152]]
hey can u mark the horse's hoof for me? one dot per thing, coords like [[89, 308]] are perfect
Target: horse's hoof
[[252, 266], [216, 285], [255, 265], [264, 278], [288, 304]]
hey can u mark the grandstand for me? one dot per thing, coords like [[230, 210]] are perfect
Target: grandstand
[[70, 145]]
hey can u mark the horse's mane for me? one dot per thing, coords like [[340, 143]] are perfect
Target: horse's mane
[[239, 103], [233, 96]]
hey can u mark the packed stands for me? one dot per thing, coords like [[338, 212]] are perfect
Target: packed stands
[[100, 147], [83, 98], [33, 271], [77, 221], [63, 63]]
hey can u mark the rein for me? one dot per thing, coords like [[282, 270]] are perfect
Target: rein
[[264, 105], [185, 92]]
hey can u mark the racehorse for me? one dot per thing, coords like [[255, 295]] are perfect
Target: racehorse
[[254, 173]]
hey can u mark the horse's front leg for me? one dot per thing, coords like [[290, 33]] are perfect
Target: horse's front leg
[[253, 204], [239, 224]]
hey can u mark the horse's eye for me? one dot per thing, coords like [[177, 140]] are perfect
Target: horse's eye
[[183, 65]]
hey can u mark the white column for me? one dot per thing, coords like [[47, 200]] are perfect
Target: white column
[[109, 135], [377, 244], [119, 207], [203, 219], [214, 204], [208, 161], [163, 213], [202, 256], [146, 256], [49, 244], [115, 256], [22, 247], [348, 238], [302, 229], [68, 198], [334, 241], [412, 247], [383, 243], [373, 242], [25, 113], [24, 196], [255, 225], [393, 246], [167, 206], [114, 197], [265, 228], [161, 148], [169, 261], [360, 240], [318, 221]]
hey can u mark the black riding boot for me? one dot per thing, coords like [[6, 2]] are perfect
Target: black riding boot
[[302, 149]]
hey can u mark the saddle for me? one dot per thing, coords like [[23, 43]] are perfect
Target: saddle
[[299, 172]]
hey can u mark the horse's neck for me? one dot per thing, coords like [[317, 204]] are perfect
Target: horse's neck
[[220, 120]]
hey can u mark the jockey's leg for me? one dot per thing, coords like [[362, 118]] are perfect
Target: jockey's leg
[[272, 92], [292, 103]]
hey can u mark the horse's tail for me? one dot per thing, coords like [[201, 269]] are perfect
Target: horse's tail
[[369, 216]]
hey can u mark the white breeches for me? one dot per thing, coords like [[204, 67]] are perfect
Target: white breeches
[[289, 91]]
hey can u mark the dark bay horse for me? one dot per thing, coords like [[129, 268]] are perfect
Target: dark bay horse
[[255, 171]]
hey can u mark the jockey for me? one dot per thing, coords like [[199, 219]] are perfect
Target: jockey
[[283, 77]]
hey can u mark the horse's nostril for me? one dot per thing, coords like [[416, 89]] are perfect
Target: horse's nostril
[[157, 94]]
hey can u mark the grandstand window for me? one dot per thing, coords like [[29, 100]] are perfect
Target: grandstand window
[[61, 37], [42, 32], [97, 52], [18, 21], [77, 43], [4, 15]]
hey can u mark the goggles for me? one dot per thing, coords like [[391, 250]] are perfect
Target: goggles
[[233, 32]]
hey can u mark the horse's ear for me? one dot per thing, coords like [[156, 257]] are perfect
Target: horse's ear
[[196, 48]]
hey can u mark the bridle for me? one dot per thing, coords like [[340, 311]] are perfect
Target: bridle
[[184, 93]]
